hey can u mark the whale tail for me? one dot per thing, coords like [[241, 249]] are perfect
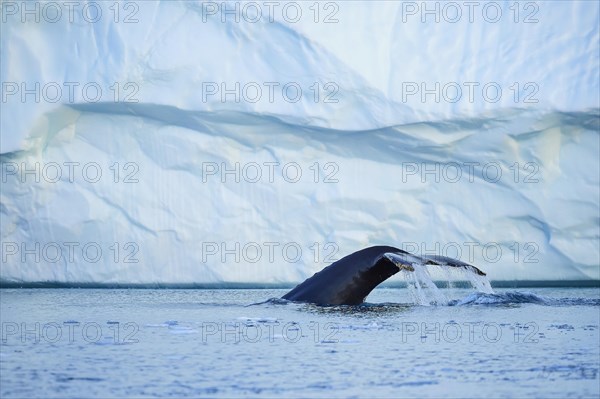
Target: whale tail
[[405, 261], [349, 280], [446, 261]]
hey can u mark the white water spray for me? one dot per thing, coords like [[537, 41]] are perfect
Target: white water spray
[[425, 292]]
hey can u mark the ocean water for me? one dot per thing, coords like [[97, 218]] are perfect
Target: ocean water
[[76, 343]]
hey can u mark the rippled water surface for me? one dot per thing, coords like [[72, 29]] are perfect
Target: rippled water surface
[[238, 343]]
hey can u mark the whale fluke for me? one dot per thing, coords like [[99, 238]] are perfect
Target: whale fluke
[[349, 280], [446, 261]]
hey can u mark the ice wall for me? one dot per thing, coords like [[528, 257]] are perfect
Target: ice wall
[[129, 155]]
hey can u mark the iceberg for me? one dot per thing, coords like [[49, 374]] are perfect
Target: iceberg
[[256, 142]]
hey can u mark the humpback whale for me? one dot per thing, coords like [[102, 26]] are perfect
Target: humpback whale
[[349, 280]]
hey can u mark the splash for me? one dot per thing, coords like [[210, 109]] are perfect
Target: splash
[[480, 283], [425, 292], [422, 288]]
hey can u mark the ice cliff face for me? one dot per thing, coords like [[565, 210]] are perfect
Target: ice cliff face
[[151, 142]]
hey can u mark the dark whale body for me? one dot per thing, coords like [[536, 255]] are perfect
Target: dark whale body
[[349, 280]]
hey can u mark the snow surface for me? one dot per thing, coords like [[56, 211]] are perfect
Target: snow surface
[[542, 213]]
